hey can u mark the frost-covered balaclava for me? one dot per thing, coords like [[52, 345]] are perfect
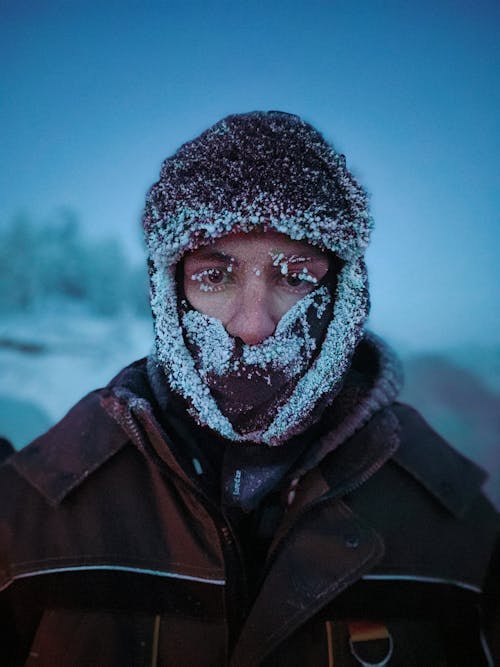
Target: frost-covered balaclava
[[260, 170]]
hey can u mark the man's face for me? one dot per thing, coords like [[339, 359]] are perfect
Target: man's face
[[248, 281]]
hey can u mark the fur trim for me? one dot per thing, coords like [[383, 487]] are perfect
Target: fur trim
[[267, 169], [274, 171]]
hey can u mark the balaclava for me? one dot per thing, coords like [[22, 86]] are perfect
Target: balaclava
[[260, 170]]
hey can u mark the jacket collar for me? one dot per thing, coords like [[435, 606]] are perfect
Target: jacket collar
[[450, 477], [60, 460], [92, 432], [401, 434], [57, 462]]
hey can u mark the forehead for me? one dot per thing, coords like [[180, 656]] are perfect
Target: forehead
[[258, 245]]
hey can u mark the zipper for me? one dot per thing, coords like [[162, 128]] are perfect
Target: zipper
[[236, 587], [237, 593]]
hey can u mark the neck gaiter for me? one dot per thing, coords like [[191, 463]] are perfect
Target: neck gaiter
[[250, 383]]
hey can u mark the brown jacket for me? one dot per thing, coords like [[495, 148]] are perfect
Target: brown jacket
[[112, 554]]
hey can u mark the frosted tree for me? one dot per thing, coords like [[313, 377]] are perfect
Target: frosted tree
[[55, 264], [19, 283]]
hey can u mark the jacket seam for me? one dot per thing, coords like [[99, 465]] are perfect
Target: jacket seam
[[441, 581], [90, 558], [147, 571]]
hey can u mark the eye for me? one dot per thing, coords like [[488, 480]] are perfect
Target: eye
[[215, 276], [211, 279], [301, 279], [294, 280]]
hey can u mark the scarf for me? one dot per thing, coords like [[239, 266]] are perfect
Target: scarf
[[251, 382]]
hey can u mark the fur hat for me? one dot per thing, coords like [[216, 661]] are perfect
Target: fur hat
[[267, 170]]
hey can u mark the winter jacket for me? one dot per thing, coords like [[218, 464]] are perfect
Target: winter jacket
[[113, 553]]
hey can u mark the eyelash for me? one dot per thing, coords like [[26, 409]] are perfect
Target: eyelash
[[304, 276], [307, 279], [207, 273]]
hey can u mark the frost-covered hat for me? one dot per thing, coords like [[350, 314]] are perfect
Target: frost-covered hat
[[267, 170]]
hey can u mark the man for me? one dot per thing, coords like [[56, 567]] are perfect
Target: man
[[251, 494]]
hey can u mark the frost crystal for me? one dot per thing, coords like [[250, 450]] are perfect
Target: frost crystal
[[288, 350], [273, 171]]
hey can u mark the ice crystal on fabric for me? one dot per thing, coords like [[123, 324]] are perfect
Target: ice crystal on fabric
[[271, 171], [289, 349]]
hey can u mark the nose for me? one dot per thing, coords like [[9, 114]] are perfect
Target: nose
[[252, 318]]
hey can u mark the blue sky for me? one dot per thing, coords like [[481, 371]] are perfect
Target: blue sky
[[95, 95]]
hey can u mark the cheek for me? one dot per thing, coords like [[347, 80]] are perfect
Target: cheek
[[191, 290], [212, 304], [284, 301]]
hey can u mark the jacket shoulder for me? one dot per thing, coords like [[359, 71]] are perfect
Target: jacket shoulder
[[453, 479], [59, 460], [426, 504]]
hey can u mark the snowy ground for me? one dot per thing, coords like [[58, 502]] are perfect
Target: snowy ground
[[47, 362]]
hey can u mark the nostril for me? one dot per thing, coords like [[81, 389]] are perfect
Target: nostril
[[246, 333], [256, 340], [252, 320], [252, 338]]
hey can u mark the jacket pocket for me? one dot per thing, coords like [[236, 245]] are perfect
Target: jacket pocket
[[74, 638], [94, 638]]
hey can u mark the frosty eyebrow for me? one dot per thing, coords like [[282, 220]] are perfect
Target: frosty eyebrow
[[278, 256], [217, 255], [296, 259]]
